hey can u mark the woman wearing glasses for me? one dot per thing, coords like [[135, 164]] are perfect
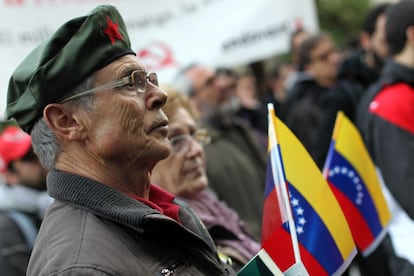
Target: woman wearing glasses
[[183, 173]]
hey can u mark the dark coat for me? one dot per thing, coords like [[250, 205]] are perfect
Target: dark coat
[[311, 110], [15, 247], [92, 229], [354, 68], [385, 119], [21, 209], [303, 112], [236, 167]]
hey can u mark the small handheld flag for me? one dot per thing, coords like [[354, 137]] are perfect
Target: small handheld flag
[[353, 179], [320, 230]]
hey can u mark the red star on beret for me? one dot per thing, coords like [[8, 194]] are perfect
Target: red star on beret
[[112, 30]]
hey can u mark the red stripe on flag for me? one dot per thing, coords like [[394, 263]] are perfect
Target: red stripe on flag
[[312, 265], [360, 229], [271, 214], [279, 247]]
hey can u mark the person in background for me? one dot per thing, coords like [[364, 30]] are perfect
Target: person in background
[[183, 174], [236, 162], [95, 118], [251, 109], [296, 39], [365, 64], [385, 119], [226, 80], [313, 103], [319, 61], [23, 200], [276, 90]]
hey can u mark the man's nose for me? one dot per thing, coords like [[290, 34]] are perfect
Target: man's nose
[[155, 97]]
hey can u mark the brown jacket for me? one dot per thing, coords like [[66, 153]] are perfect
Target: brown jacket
[[92, 229]]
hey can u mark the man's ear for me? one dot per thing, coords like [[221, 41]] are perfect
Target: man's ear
[[63, 122]]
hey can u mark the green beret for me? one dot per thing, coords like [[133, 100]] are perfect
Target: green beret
[[57, 66]]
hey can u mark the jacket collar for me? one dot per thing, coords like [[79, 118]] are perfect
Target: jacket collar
[[395, 72], [98, 198], [114, 205]]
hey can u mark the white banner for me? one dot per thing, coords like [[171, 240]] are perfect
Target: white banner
[[167, 34]]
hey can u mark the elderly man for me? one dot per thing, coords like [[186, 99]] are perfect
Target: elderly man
[[96, 123]]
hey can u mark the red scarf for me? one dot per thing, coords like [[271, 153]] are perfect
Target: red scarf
[[162, 201]]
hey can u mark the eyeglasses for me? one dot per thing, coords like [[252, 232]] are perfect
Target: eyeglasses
[[138, 80], [183, 142]]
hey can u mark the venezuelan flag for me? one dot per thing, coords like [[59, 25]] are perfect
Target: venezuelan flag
[[353, 179], [325, 242]]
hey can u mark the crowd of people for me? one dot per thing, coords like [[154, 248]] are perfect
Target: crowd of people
[[170, 179]]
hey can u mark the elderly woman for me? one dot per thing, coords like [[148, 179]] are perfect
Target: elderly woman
[[183, 174]]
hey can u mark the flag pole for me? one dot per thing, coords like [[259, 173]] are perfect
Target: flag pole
[[279, 172]]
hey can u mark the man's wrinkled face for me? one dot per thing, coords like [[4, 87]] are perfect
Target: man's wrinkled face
[[125, 125], [183, 172]]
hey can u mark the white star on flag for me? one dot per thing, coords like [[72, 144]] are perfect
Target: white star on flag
[[299, 211]]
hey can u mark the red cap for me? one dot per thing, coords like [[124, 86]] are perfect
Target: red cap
[[14, 144]]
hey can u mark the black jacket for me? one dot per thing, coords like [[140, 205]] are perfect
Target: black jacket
[[386, 121], [354, 68], [311, 112], [15, 245]]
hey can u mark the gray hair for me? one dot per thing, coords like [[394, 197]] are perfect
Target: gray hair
[[44, 141]]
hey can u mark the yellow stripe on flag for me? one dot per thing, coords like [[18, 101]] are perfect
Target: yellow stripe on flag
[[314, 188], [350, 145]]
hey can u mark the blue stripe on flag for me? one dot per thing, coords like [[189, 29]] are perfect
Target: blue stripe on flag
[[349, 182], [313, 234]]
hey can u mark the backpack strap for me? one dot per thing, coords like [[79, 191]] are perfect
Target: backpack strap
[[26, 225]]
